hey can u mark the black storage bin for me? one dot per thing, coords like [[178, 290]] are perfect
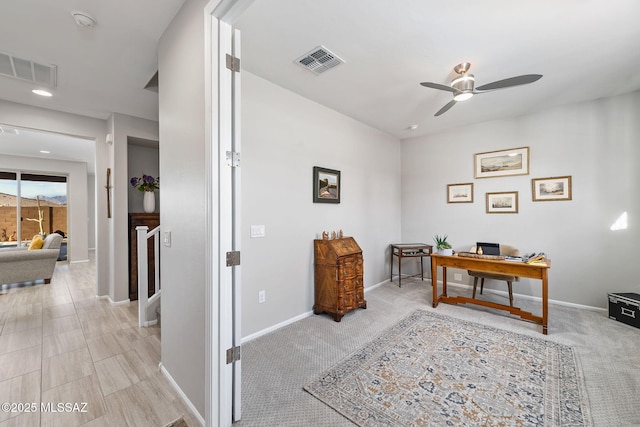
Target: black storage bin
[[625, 308]]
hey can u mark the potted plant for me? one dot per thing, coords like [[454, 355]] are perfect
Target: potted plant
[[442, 246]]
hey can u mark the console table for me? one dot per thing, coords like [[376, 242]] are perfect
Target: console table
[[408, 250], [509, 268]]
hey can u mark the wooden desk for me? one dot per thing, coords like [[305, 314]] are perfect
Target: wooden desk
[[408, 250], [511, 268]]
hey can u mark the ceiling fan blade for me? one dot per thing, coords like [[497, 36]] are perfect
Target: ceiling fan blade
[[446, 108], [439, 86], [513, 81]]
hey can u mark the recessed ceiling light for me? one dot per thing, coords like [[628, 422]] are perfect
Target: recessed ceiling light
[[45, 152], [413, 127], [42, 92]]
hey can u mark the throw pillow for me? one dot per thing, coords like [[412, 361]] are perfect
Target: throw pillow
[[36, 242]]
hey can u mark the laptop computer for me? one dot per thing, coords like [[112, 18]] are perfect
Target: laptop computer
[[489, 248]]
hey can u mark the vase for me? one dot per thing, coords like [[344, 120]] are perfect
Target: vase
[[149, 201]]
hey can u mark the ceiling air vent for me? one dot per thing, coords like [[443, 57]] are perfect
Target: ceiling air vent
[[25, 69], [319, 60]]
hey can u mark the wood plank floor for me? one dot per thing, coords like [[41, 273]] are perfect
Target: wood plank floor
[[59, 345]]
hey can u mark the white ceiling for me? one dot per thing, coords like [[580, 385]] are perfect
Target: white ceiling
[[99, 70], [31, 143], [586, 49]]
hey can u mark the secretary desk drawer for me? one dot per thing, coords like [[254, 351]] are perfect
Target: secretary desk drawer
[[349, 267], [347, 301]]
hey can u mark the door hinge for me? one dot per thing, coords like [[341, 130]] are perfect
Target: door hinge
[[233, 258], [233, 159], [233, 354], [233, 63]]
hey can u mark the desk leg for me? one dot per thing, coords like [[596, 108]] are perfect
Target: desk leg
[[421, 268], [399, 268], [545, 301], [391, 266], [444, 281], [434, 282]]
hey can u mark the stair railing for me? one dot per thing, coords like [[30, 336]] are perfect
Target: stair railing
[[144, 300]]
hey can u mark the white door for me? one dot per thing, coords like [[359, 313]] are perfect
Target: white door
[[223, 406], [229, 227], [230, 206]]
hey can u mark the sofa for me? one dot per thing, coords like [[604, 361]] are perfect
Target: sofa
[[23, 265]]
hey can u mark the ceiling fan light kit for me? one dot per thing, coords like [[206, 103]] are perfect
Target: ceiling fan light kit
[[463, 88]]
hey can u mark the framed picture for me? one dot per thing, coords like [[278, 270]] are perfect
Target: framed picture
[[460, 193], [514, 161], [505, 202], [554, 188], [326, 185]]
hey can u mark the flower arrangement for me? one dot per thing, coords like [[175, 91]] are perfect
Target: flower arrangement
[[146, 183]]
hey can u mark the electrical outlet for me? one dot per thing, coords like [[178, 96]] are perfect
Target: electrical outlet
[[457, 276], [262, 296]]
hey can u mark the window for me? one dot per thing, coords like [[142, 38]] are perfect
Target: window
[[31, 204]]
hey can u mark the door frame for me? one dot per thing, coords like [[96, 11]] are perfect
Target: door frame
[[223, 299]]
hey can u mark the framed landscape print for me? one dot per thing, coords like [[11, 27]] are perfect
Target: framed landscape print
[[326, 185], [505, 202], [548, 189], [460, 193], [514, 161]]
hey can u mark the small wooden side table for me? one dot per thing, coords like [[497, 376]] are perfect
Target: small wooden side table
[[408, 250]]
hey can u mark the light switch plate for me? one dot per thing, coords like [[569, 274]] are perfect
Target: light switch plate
[[257, 231], [166, 239]]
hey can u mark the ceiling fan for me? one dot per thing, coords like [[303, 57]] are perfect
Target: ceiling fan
[[462, 86]]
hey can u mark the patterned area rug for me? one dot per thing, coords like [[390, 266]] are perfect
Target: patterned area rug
[[180, 422], [434, 370]]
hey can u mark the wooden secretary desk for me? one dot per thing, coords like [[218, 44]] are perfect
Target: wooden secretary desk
[[151, 220], [339, 287]]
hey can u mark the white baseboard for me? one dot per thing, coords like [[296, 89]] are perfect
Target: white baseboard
[[183, 396], [377, 285], [78, 261], [295, 319], [275, 327], [112, 302]]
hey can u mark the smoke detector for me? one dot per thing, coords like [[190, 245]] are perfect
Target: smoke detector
[[319, 60], [83, 19]]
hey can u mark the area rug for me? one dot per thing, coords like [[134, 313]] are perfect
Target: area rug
[[180, 422], [434, 370]]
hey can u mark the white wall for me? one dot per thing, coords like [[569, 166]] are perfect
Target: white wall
[[91, 211], [594, 142], [123, 127], [283, 137], [142, 160], [183, 210]]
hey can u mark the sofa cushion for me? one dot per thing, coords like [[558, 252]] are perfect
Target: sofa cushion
[[36, 243], [52, 241]]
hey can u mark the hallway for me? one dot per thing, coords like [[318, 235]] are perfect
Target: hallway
[[69, 359]]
